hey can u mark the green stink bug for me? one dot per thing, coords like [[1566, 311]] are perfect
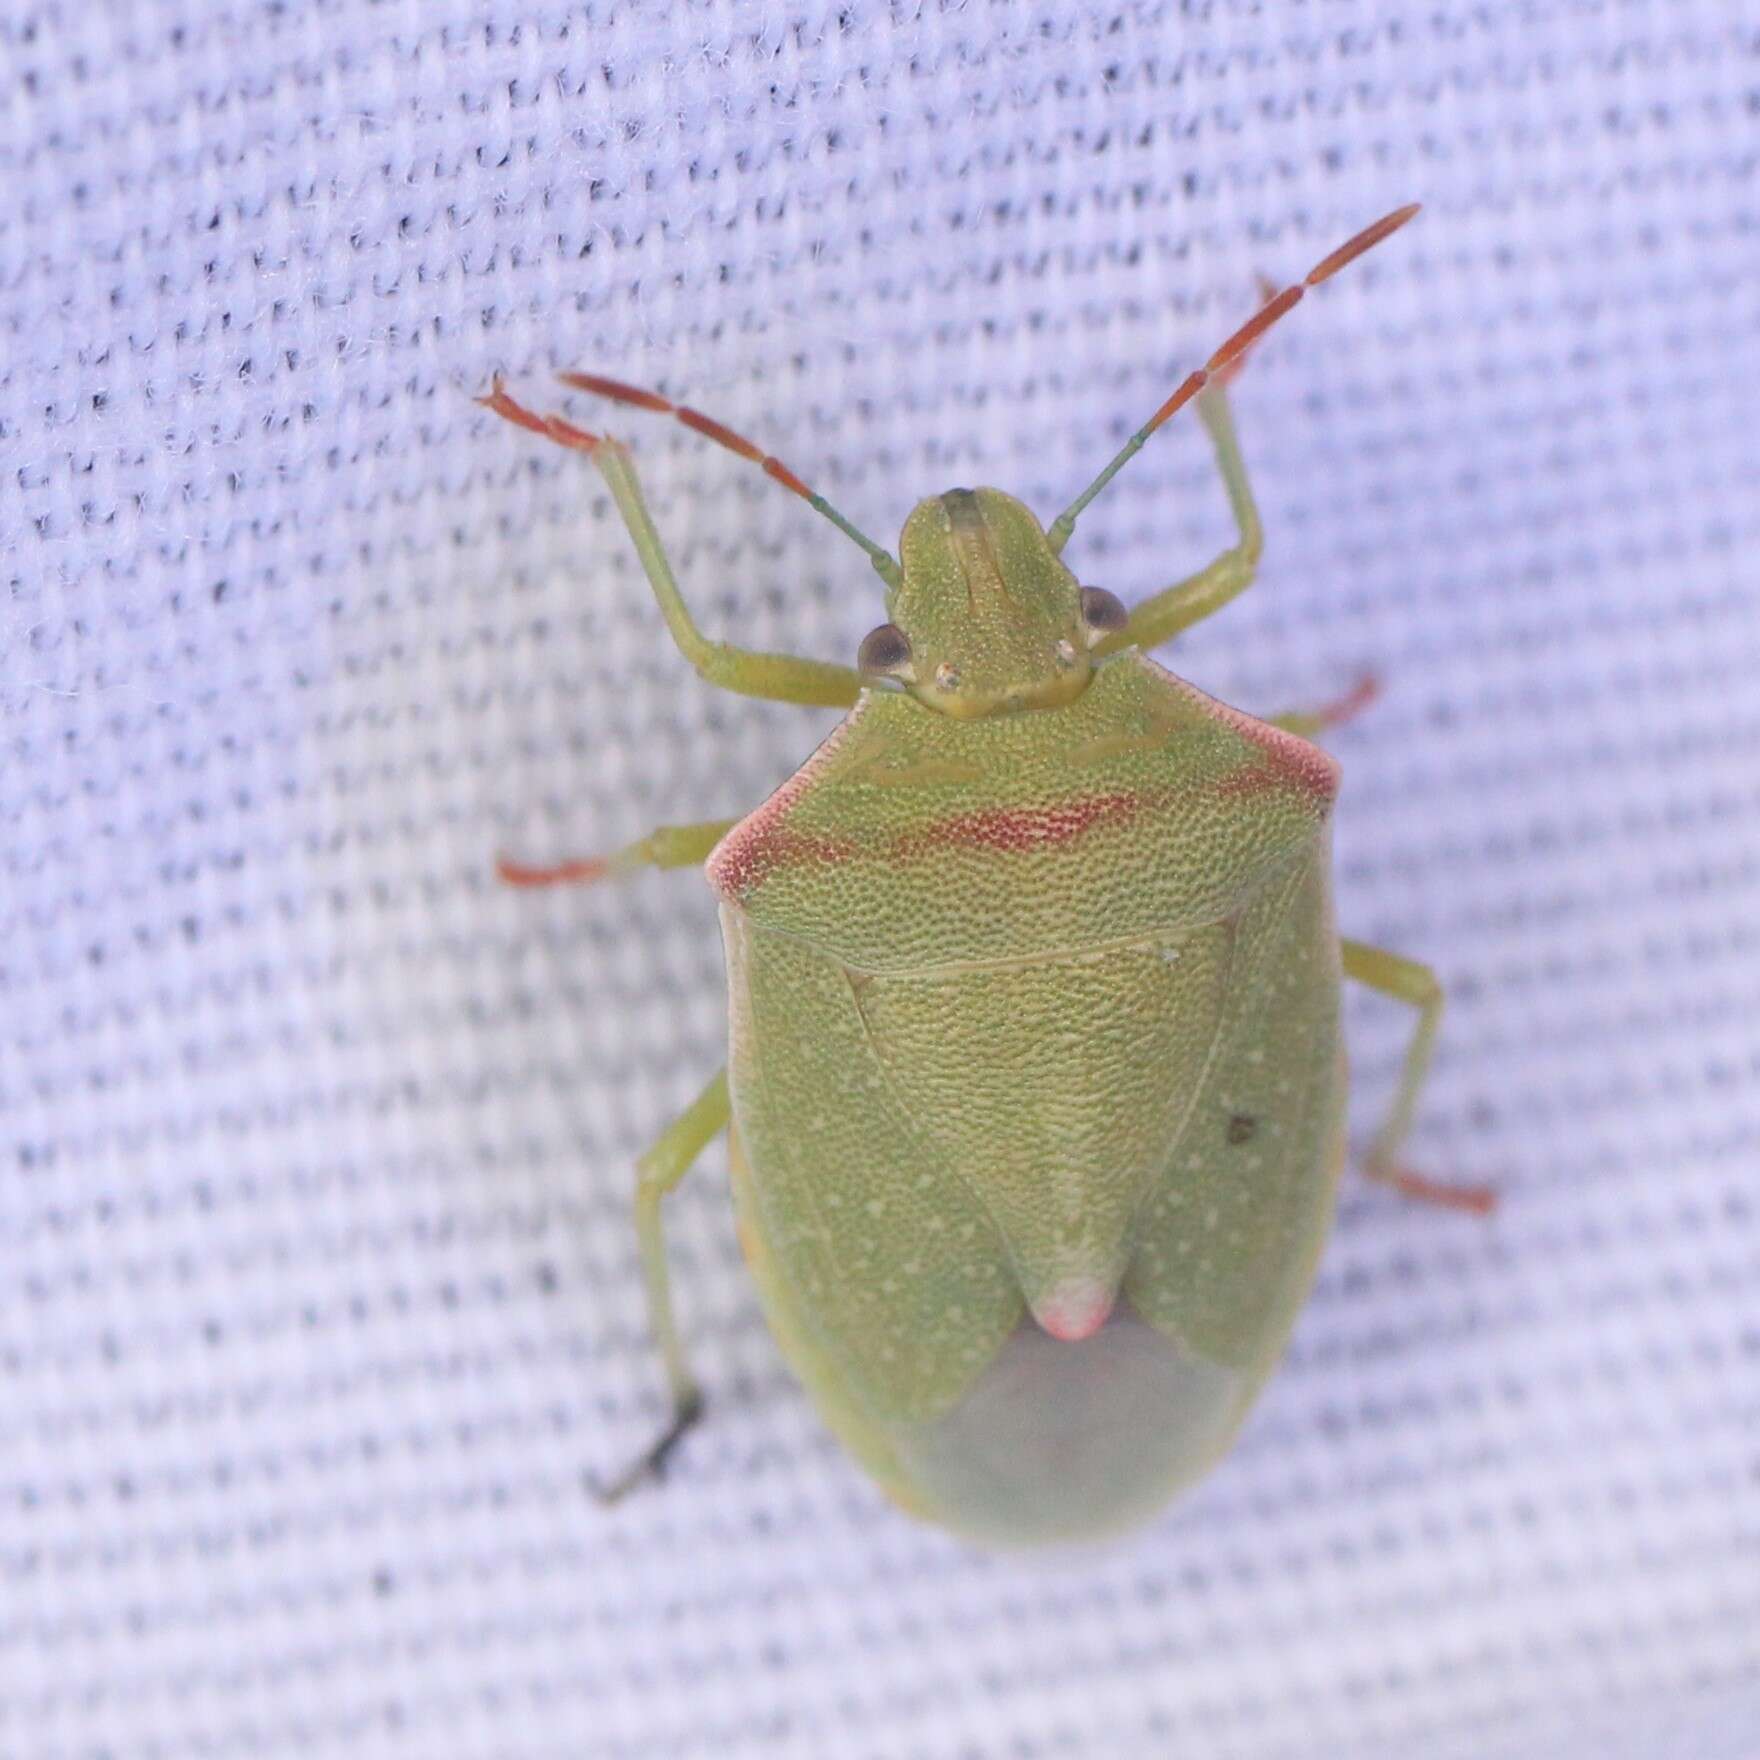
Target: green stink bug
[[1035, 1090]]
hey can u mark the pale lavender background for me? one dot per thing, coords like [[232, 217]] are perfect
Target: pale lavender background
[[317, 1295]]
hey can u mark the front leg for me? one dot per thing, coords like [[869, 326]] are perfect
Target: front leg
[[782, 678], [1178, 607]]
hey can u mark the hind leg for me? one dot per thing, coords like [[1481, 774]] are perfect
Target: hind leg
[[1409, 982], [658, 1173]]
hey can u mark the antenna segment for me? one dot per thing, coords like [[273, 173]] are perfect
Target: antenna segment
[[1278, 306], [565, 433]]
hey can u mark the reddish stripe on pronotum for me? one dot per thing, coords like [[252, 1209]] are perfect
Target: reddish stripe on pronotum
[[1015, 830]]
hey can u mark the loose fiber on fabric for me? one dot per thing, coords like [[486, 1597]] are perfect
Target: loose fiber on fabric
[[319, 1302]]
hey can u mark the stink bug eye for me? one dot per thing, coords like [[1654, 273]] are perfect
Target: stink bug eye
[[1035, 1095], [885, 652], [1102, 613]]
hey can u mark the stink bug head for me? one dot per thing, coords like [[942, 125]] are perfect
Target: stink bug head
[[985, 619]]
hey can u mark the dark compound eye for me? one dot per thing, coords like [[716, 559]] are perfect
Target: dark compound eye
[[1103, 612], [884, 650]]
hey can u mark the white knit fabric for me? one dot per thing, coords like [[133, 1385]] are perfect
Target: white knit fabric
[[319, 1301]]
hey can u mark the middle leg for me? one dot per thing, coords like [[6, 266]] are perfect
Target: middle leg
[[668, 846], [1409, 982], [658, 1173], [1309, 722]]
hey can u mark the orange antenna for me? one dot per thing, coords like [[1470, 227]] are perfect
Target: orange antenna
[[1277, 306], [565, 433]]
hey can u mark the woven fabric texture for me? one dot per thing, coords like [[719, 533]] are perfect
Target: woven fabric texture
[[319, 1302]]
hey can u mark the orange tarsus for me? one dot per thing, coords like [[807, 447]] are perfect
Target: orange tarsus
[[1475, 1200], [556, 428], [565, 433], [503, 405], [584, 872], [1351, 704]]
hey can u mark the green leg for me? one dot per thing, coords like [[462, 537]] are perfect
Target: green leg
[[783, 678], [1310, 722], [1410, 982], [1178, 607], [670, 846], [657, 1173]]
